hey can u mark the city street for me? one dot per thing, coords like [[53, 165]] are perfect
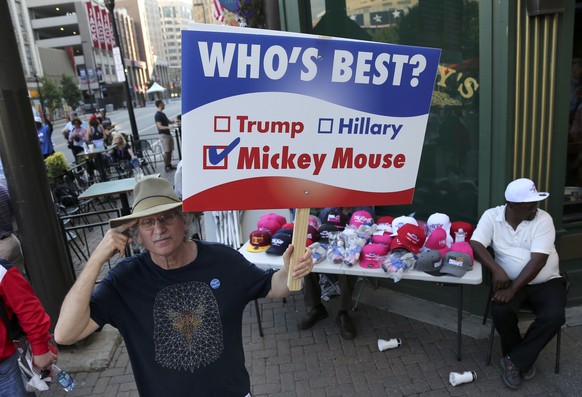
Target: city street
[[144, 118]]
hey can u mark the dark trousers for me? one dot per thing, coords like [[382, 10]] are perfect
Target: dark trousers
[[549, 301], [312, 290]]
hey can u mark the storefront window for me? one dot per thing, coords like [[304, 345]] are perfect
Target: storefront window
[[447, 178], [573, 190]]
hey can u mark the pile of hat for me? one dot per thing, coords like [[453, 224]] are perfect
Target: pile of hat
[[446, 250], [345, 238], [438, 246], [273, 234]]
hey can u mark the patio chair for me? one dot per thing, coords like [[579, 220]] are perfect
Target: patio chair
[[150, 154]]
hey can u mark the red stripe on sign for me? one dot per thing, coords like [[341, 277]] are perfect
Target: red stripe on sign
[[285, 192]]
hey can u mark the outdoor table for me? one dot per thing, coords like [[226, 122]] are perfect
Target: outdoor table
[[472, 277], [120, 186], [95, 155]]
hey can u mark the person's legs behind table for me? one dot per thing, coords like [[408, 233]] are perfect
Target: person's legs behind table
[[520, 353], [343, 321], [312, 298], [168, 148], [316, 310]]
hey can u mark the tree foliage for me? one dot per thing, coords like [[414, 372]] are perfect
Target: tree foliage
[[251, 11], [51, 94], [385, 35], [71, 92]]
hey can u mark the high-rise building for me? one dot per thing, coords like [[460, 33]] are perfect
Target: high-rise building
[[75, 38], [175, 15]]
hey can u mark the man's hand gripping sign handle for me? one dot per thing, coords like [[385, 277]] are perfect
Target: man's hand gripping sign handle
[[299, 239]]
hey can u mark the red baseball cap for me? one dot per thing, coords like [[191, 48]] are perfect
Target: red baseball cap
[[259, 241], [466, 226], [410, 237]]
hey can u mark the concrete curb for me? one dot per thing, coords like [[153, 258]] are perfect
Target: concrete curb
[[93, 353]]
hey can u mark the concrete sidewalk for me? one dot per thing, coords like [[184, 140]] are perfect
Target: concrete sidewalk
[[318, 362]]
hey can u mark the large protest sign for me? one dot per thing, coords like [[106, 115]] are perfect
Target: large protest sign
[[280, 120]]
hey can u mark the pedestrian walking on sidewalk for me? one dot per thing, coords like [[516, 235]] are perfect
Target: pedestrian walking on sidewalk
[[178, 305], [164, 130]]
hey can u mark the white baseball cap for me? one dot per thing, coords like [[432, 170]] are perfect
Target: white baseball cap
[[523, 190], [402, 220], [438, 220]]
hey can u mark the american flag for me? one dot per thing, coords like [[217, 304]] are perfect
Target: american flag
[[218, 10]]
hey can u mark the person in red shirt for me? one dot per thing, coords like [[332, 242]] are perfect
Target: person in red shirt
[[19, 300]]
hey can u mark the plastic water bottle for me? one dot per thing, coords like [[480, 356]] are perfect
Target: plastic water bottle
[[137, 174], [85, 148], [460, 236], [64, 378]]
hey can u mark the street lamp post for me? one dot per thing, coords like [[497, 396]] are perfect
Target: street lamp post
[[89, 92], [95, 70], [39, 95], [110, 5]]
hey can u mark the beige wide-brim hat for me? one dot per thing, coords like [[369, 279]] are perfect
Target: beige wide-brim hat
[[150, 196]]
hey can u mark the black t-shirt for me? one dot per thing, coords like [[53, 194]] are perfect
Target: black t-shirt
[[163, 119], [106, 122], [96, 133], [182, 327]]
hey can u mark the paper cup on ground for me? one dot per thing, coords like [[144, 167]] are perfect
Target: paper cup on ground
[[388, 344], [456, 378]]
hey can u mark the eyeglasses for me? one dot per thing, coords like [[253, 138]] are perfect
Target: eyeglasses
[[164, 220]]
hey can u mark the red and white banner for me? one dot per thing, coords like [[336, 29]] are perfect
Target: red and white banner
[[108, 29], [100, 28], [92, 24]]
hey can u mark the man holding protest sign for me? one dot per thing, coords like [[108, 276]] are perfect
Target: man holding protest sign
[[178, 304]]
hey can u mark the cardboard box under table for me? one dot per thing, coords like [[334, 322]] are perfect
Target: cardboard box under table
[[472, 277]]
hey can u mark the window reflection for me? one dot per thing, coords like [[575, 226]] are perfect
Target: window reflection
[[447, 178], [573, 190]]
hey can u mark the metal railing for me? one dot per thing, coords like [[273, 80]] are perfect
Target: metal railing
[[82, 237]]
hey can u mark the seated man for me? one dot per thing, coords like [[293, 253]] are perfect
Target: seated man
[[525, 269]]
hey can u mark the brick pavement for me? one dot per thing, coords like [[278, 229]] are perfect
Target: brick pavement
[[318, 362]]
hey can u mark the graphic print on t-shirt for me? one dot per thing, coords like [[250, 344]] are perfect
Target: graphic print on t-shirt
[[187, 327]]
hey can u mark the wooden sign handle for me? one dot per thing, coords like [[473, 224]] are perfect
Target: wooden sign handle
[[298, 241]]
